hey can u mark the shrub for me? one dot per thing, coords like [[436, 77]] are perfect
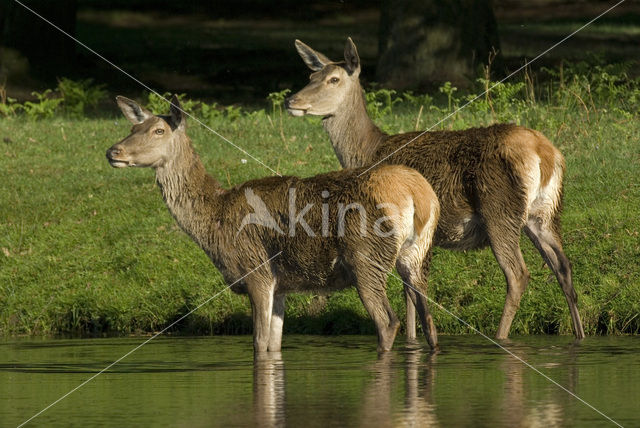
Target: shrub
[[79, 95]]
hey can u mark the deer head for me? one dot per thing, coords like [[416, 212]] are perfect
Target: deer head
[[153, 139], [331, 82]]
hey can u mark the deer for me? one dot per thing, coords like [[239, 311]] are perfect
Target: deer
[[265, 246], [492, 182]]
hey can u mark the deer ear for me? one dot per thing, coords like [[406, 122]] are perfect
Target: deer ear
[[314, 60], [177, 114], [132, 111], [351, 58]]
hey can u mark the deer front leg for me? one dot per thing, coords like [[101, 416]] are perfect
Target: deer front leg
[[261, 297]]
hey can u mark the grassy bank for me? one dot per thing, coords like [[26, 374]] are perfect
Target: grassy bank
[[89, 249]]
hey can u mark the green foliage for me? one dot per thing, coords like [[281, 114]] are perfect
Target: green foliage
[[277, 100], [586, 86], [159, 104], [380, 102], [209, 112], [79, 95], [70, 97], [413, 100], [9, 106], [449, 90], [504, 101], [45, 107], [199, 110], [233, 113]]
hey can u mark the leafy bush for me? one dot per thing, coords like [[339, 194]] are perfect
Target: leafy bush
[[44, 108], [418, 101], [79, 95], [208, 112], [159, 104], [380, 102], [9, 106], [277, 100]]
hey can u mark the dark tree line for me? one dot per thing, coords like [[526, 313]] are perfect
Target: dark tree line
[[426, 41], [46, 48], [421, 42]]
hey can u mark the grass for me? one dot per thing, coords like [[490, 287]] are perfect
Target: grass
[[88, 249]]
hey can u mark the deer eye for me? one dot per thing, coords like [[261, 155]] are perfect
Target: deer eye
[[334, 80], [159, 131]]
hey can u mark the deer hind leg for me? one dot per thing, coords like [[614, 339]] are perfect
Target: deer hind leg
[[505, 243], [277, 322], [546, 238], [411, 315], [371, 283], [413, 267]]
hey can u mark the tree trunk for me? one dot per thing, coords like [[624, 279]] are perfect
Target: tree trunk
[[48, 51], [427, 42]]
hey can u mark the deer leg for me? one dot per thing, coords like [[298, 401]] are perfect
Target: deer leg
[[414, 274], [506, 248], [261, 297], [549, 245], [371, 287], [411, 315], [277, 322]]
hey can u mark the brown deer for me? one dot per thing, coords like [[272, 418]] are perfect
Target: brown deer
[[266, 247], [491, 182]]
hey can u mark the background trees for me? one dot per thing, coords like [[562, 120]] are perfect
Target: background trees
[[427, 41], [45, 48]]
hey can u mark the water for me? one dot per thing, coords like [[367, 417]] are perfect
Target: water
[[319, 382]]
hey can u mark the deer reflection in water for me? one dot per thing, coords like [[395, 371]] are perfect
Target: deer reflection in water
[[268, 390], [378, 409], [400, 390], [518, 408]]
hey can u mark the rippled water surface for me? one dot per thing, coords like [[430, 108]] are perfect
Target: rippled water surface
[[320, 381]]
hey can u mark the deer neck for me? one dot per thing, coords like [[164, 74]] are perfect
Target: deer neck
[[191, 194], [353, 134]]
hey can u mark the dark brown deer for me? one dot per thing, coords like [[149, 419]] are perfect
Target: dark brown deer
[[266, 246], [492, 182]]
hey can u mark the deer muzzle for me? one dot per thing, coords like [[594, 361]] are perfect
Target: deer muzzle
[[295, 107], [114, 156]]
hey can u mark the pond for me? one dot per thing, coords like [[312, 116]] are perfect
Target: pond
[[320, 381]]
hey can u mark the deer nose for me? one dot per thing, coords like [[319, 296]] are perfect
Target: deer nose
[[289, 100], [113, 151]]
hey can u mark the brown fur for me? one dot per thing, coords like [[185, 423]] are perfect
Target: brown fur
[[216, 219], [524, 142], [491, 182], [392, 184]]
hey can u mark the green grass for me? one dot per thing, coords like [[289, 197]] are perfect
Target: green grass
[[88, 249]]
